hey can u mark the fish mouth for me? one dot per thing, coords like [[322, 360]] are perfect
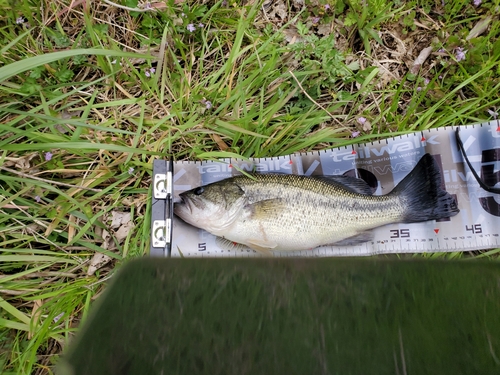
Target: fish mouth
[[181, 205]]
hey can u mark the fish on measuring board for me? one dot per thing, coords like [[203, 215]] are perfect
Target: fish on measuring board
[[281, 212]]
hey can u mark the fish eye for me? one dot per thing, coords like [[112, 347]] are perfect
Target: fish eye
[[199, 191]]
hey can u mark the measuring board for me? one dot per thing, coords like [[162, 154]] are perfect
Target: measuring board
[[382, 164]]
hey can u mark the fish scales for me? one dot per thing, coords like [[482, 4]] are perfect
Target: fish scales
[[311, 212]]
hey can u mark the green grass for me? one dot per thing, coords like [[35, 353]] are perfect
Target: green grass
[[76, 82], [307, 316]]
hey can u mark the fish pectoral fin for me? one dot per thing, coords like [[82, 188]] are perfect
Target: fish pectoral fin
[[261, 246], [263, 208], [355, 240]]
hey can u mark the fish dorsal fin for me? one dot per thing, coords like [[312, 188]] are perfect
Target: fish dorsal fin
[[352, 184]]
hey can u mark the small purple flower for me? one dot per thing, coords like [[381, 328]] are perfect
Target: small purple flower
[[361, 120], [200, 25], [440, 77], [316, 20], [441, 50], [355, 134], [460, 54], [130, 170], [149, 71], [224, 3], [207, 103], [426, 81], [58, 317], [492, 113], [477, 3], [48, 156], [191, 28], [419, 88], [20, 20], [327, 6], [38, 199], [183, 14]]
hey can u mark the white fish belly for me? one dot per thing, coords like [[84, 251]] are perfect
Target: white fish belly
[[301, 226]]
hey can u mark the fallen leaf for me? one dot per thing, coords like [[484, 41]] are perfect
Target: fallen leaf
[[479, 28], [324, 30], [222, 145], [97, 261], [292, 36], [106, 240], [367, 126], [24, 162], [423, 55], [119, 218], [276, 11], [123, 231]]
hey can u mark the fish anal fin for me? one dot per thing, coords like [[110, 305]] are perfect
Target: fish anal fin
[[225, 244], [355, 240], [259, 246], [262, 247]]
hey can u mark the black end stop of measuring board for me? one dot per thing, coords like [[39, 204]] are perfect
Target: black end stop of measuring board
[[162, 208]]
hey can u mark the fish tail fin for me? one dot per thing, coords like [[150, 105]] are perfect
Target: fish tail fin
[[421, 193]]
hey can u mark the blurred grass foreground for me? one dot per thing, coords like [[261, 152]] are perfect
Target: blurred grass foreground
[[308, 316]]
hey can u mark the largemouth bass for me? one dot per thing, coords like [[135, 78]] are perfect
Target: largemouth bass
[[279, 212]]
